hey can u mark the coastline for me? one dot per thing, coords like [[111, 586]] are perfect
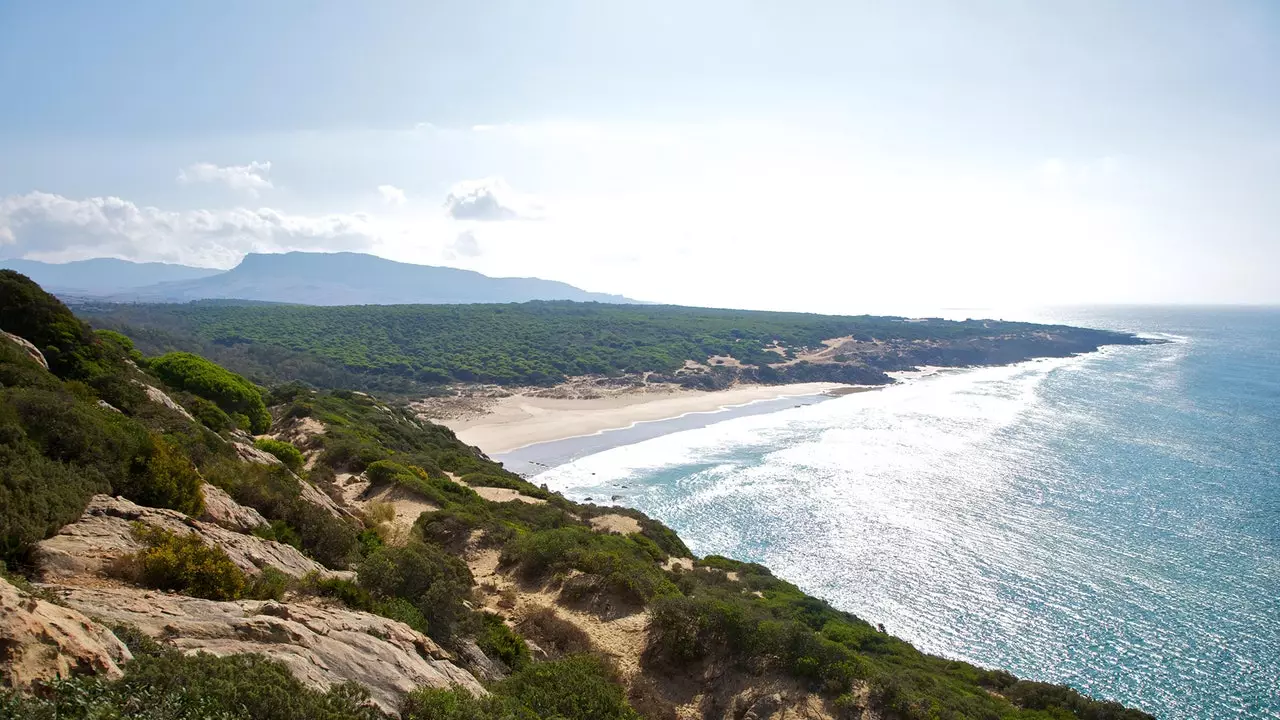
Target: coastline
[[520, 420]]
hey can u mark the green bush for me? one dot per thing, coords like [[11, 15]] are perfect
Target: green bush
[[501, 642], [576, 688], [164, 477], [198, 376], [398, 608], [207, 412], [270, 583], [436, 582], [169, 685], [580, 687], [183, 563], [624, 567], [38, 496], [284, 452]]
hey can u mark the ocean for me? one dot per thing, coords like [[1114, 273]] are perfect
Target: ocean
[[1109, 521]]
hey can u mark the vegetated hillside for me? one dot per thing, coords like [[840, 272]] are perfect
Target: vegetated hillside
[[543, 342], [356, 279], [103, 276], [462, 570]]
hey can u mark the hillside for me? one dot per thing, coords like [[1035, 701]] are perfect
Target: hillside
[[352, 561], [542, 343], [355, 279], [103, 276]]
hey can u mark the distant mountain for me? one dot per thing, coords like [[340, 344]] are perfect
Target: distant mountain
[[103, 276], [355, 279]]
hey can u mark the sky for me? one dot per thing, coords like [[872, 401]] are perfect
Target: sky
[[824, 156]]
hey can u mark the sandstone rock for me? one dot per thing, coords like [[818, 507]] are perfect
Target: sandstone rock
[[251, 454], [220, 509], [30, 349], [108, 406], [321, 645], [160, 397], [104, 533], [40, 641], [481, 665]]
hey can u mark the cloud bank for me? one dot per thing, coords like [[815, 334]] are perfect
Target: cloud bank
[[249, 179], [55, 228]]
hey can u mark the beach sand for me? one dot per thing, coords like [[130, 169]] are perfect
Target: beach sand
[[519, 420]]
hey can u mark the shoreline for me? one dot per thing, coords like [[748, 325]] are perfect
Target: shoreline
[[518, 421]]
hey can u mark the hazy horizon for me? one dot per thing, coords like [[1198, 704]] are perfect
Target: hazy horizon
[[826, 157]]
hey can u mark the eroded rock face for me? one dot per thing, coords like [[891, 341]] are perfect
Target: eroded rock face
[[40, 641], [220, 509], [26, 345], [104, 533], [321, 645]]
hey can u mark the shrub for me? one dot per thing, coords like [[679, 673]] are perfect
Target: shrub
[[182, 563], [285, 452], [401, 609], [279, 531], [580, 687], [165, 478], [501, 642], [557, 636], [167, 685], [436, 582], [270, 583], [623, 567], [208, 413], [576, 688], [38, 496], [231, 392]]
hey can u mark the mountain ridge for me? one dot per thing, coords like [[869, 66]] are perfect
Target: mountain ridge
[[102, 276], [303, 278]]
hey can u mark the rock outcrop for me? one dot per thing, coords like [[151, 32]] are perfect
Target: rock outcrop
[[220, 509], [321, 645], [105, 533], [26, 345], [160, 397], [41, 641], [310, 493]]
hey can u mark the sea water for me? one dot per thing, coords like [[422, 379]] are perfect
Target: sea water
[[1110, 521]]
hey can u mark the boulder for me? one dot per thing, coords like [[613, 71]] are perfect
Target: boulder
[[41, 641], [251, 454], [220, 509], [320, 645], [26, 345], [160, 397], [104, 533]]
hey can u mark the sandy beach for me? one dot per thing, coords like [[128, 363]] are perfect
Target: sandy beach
[[519, 420]]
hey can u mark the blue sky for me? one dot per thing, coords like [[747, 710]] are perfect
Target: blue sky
[[837, 156]]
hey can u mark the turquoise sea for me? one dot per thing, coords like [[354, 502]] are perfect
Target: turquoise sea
[[1110, 521]]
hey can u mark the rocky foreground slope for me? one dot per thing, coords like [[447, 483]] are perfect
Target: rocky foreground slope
[[183, 544]]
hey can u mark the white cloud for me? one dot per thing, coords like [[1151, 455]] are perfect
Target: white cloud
[[465, 245], [487, 199], [52, 227], [244, 178], [391, 194]]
